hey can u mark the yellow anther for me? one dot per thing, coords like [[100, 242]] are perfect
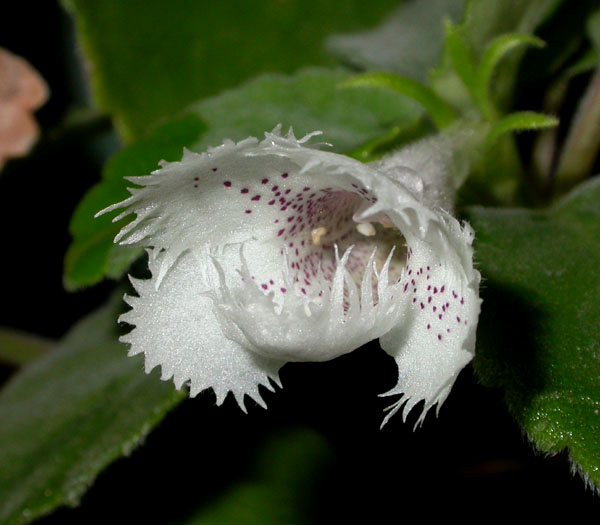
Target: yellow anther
[[317, 233]]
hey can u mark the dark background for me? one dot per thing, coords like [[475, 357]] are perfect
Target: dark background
[[471, 461]]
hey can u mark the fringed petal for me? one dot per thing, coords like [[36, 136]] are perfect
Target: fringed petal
[[176, 328], [268, 252], [435, 337]]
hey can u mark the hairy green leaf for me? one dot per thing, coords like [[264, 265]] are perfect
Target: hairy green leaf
[[151, 59], [461, 58], [485, 20], [494, 52], [538, 333], [308, 101], [71, 413], [520, 121], [441, 113]]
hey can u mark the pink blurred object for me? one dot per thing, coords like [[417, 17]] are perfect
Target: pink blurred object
[[22, 91]]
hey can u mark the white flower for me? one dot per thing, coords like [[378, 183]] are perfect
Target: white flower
[[264, 253]]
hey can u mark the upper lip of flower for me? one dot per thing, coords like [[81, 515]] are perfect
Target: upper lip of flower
[[282, 252]]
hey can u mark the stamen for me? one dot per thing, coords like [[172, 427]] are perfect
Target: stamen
[[316, 235], [386, 222], [366, 228]]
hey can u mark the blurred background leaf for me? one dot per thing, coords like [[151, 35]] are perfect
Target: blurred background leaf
[[151, 59], [19, 348], [287, 469], [409, 41]]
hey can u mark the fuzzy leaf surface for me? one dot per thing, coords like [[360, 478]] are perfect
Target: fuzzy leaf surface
[[538, 335]]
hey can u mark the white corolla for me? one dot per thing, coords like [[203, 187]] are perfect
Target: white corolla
[[267, 252]]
